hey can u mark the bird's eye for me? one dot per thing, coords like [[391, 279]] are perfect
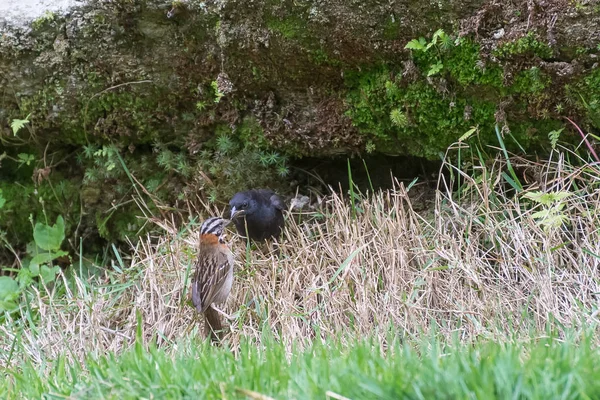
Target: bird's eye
[[245, 204]]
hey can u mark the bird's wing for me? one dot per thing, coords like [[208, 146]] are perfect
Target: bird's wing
[[209, 278], [277, 202]]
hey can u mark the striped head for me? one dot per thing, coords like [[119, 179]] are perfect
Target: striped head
[[214, 226]]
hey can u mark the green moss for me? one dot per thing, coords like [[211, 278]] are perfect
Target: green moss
[[321, 57], [291, 28], [526, 46], [47, 18], [454, 91], [391, 29], [127, 114], [530, 81], [422, 119], [463, 62], [251, 134], [411, 119], [585, 95]]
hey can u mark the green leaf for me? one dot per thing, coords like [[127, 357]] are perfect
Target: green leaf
[[439, 34], [18, 124], [9, 293], [49, 237], [468, 134], [2, 199], [24, 277], [435, 68], [25, 158], [554, 136], [48, 274], [9, 288], [416, 44], [44, 258], [34, 268], [547, 198], [346, 263]]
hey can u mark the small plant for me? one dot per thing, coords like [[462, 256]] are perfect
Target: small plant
[[108, 153], [48, 240], [25, 159], [398, 118], [435, 68], [370, 147], [201, 105], [552, 215], [18, 124], [553, 136], [38, 264], [439, 39], [218, 93]]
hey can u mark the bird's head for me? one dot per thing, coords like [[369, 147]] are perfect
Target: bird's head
[[214, 226], [242, 204]]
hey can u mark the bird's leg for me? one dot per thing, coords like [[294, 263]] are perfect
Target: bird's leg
[[229, 317]]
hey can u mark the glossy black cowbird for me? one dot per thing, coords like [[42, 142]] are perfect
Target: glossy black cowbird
[[259, 213]]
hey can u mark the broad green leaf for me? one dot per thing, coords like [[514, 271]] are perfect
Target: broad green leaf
[[416, 44], [541, 214], [8, 306], [34, 269], [435, 68], [25, 158], [49, 237], [2, 199], [48, 274], [439, 33], [43, 258], [9, 288]]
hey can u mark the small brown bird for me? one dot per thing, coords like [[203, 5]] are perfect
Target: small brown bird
[[214, 274]]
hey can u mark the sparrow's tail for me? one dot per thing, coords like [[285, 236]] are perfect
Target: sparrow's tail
[[212, 324]]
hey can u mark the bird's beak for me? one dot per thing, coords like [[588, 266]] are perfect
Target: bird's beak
[[236, 213]]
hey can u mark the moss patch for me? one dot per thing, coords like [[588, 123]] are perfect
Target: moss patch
[[451, 90]]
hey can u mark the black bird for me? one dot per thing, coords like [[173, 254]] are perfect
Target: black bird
[[262, 212]]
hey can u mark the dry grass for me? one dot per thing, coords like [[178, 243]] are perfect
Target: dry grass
[[481, 267]]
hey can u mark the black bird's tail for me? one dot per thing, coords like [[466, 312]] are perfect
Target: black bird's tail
[[212, 324]]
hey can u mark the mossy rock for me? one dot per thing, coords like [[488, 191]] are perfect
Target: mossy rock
[[219, 97]]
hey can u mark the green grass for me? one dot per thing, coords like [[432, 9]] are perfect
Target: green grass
[[359, 369]]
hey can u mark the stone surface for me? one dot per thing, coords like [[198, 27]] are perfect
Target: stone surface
[[22, 12], [207, 98]]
